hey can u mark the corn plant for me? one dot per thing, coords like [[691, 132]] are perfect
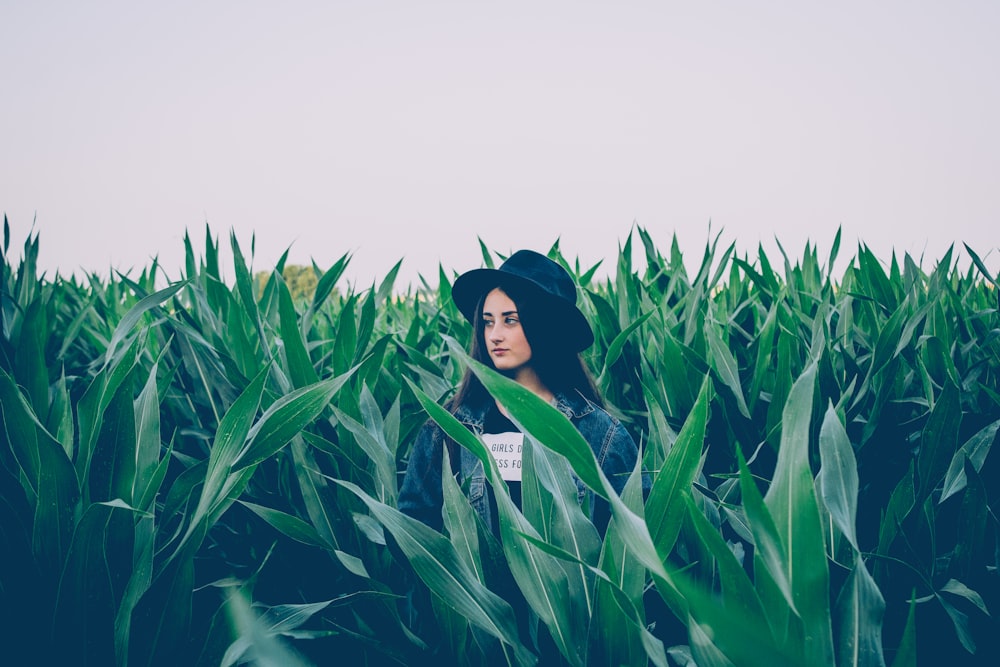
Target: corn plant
[[205, 469]]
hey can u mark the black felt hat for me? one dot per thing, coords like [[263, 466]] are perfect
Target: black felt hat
[[529, 270]]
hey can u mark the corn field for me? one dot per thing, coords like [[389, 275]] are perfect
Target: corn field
[[207, 473]]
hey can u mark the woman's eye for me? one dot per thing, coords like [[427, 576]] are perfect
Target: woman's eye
[[487, 323], [510, 321]]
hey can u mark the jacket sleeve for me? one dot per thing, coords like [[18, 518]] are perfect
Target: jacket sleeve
[[420, 495], [620, 459], [617, 464]]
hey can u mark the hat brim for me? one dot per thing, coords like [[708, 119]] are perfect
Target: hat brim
[[470, 287]]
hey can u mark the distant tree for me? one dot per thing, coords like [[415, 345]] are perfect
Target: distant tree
[[301, 281]]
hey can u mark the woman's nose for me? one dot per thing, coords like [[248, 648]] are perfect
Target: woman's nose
[[494, 332]]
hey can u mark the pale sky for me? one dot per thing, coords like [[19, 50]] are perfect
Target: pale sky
[[395, 129]]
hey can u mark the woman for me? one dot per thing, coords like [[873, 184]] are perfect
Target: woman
[[525, 325]]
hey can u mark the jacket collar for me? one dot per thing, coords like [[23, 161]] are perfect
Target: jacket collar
[[573, 405]]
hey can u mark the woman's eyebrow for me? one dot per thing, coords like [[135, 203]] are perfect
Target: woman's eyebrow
[[504, 313]]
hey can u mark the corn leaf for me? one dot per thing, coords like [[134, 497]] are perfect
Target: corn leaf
[[975, 450], [860, 608], [617, 628], [724, 364], [938, 441], [838, 476], [792, 502], [434, 559], [85, 606], [318, 497], [664, 507], [300, 368], [550, 496], [244, 286], [378, 454], [906, 654], [460, 520], [29, 361], [132, 317], [286, 524], [285, 418], [48, 472], [738, 595]]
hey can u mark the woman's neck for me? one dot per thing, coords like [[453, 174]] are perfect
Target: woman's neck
[[528, 378]]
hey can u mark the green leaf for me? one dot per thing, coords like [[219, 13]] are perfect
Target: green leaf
[[286, 524], [385, 287], [460, 520], [244, 285], [139, 581], [673, 367], [618, 344], [838, 476], [327, 281], [257, 636], [135, 313], [724, 364], [860, 608], [906, 655], [738, 595], [981, 266], [299, 366], [345, 344], [960, 621], [955, 587], [60, 421], [317, 495], [550, 496], [435, 561], [29, 360], [85, 605], [49, 474], [163, 616], [618, 629], [673, 481], [651, 647], [285, 418], [487, 258], [765, 346], [770, 551], [112, 473], [147, 441], [792, 501], [230, 437], [379, 455], [973, 517], [703, 647], [19, 425], [93, 405], [901, 503], [975, 450], [938, 441]]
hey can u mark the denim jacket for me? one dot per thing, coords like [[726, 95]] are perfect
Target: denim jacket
[[421, 495]]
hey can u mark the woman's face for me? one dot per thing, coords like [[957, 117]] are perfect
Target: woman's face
[[503, 334]]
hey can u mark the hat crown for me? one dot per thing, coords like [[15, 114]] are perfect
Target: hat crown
[[545, 273]]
